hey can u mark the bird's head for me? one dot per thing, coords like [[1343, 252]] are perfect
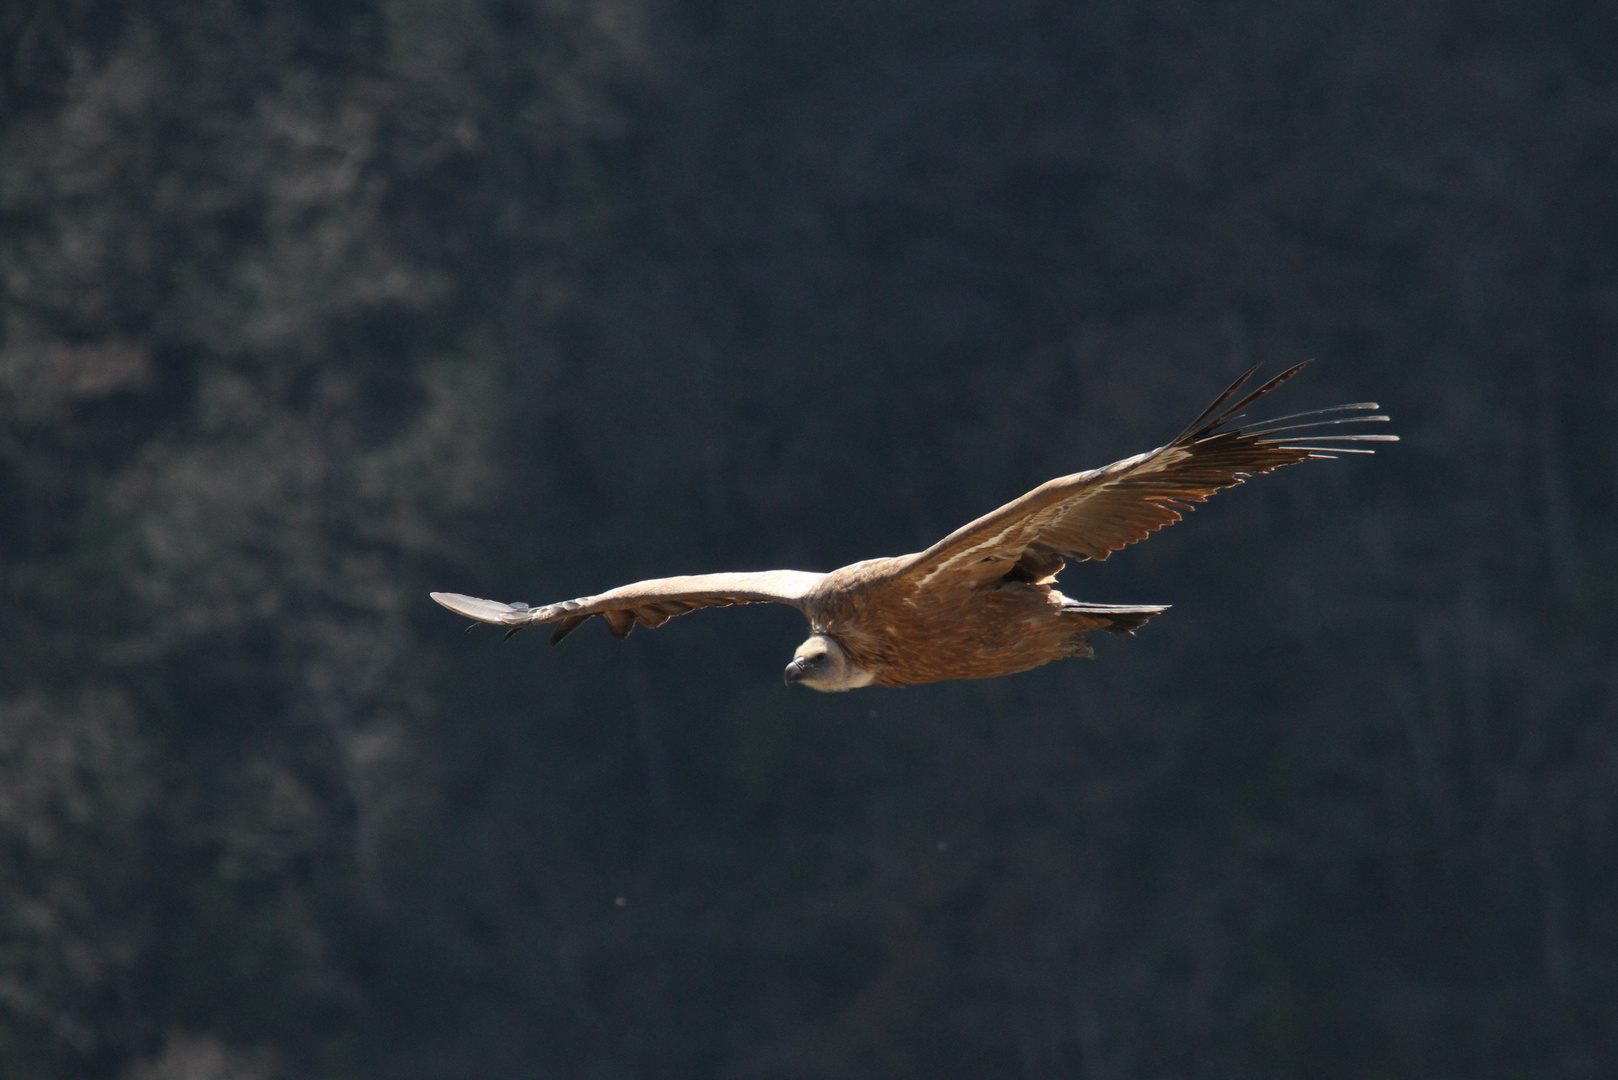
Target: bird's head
[[821, 664]]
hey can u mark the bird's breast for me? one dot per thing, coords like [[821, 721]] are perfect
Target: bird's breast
[[934, 635]]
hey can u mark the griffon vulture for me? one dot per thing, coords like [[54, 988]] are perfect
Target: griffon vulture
[[981, 602]]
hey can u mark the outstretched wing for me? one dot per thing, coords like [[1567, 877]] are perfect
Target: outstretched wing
[[1090, 515], [650, 603]]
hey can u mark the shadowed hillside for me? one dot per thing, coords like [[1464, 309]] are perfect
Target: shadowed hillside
[[307, 309]]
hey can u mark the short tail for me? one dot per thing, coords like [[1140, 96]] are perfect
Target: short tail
[[1121, 618]]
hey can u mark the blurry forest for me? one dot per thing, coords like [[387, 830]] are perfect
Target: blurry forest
[[307, 308]]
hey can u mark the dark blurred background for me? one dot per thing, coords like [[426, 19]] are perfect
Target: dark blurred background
[[308, 308]]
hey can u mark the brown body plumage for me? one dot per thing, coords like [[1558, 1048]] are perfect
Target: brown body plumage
[[968, 631], [980, 602]]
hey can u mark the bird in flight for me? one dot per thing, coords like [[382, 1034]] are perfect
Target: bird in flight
[[982, 601]]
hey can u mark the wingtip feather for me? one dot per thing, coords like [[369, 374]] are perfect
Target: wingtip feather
[[484, 611]]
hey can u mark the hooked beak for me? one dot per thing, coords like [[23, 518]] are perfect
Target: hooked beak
[[795, 670]]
